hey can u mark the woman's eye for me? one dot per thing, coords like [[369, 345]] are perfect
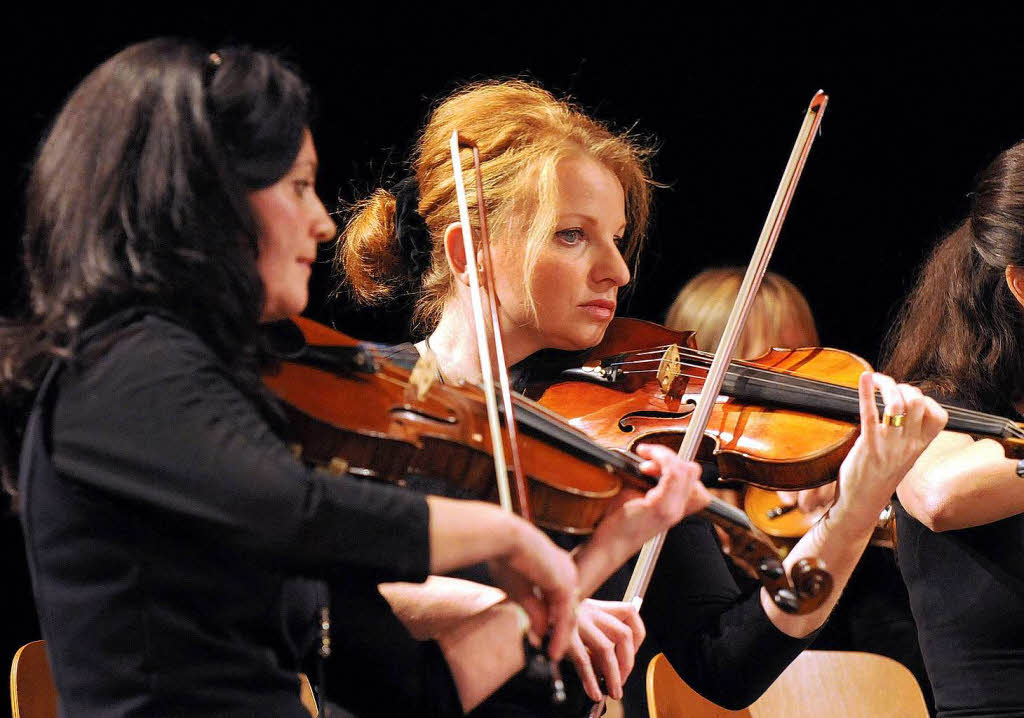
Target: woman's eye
[[301, 186], [570, 236]]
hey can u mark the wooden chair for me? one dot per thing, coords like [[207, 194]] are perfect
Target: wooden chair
[[817, 683], [668, 696], [307, 696], [33, 694]]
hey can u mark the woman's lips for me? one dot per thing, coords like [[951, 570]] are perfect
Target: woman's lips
[[600, 309]]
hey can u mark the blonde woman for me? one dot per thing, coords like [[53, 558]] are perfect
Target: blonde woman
[[780, 316], [568, 202], [875, 616]]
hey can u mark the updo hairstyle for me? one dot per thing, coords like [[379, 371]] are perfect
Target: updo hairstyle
[[522, 132]]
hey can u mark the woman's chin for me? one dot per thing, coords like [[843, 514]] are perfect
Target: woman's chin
[[579, 341]]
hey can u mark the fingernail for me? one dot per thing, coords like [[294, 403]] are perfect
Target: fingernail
[[522, 618]]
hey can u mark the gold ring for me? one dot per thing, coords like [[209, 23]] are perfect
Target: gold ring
[[892, 419]]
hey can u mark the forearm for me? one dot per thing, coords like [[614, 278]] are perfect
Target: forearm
[[961, 484], [463, 533], [485, 651], [436, 606], [601, 556], [838, 542], [718, 637]]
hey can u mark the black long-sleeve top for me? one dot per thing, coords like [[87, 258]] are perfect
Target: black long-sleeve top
[[716, 635], [174, 541], [967, 596]]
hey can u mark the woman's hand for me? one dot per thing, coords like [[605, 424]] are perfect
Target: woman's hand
[[679, 493], [809, 500], [884, 452], [524, 562], [880, 458], [542, 578], [607, 636]]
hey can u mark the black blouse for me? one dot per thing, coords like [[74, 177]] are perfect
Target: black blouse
[[716, 635], [175, 543], [967, 596]]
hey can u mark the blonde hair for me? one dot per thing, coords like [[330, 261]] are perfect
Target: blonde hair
[[780, 314], [523, 132]]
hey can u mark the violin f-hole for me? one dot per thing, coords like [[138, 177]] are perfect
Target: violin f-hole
[[626, 426]]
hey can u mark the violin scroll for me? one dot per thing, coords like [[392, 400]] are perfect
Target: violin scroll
[[802, 591]]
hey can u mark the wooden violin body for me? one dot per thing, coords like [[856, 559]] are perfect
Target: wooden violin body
[[352, 409], [622, 396], [784, 421], [787, 524], [365, 416]]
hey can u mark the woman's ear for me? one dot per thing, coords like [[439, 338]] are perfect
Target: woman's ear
[[455, 252], [1015, 281]]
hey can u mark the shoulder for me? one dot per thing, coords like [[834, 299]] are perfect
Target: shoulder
[[149, 344], [160, 339], [145, 358]]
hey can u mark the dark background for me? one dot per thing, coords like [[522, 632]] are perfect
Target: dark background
[[919, 104]]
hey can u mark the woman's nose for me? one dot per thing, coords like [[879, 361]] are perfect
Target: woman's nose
[[324, 228], [612, 266]]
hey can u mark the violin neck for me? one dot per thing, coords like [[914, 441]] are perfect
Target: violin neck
[[755, 384]]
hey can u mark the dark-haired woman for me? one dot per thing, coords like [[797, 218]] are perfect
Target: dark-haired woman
[[181, 557], [961, 533], [568, 202]]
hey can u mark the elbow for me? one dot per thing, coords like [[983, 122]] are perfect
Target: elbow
[[932, 506], [730, 700], [938, 514], [726, 693]]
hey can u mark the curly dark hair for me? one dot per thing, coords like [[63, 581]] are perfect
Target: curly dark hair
[[139, 197]]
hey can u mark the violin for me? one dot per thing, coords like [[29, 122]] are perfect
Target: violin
[[354, 408], [783, 421], [787, 524]]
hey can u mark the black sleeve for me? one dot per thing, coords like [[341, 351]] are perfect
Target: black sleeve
[[384, 671], [718, 638], [157, 422]]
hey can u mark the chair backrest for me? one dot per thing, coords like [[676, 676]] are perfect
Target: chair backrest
[[843, 683], [817, 683], [668, 696], [33, 694], [307, 696]]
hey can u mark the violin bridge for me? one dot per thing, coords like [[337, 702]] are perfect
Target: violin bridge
[[423, 374], [670, 377]]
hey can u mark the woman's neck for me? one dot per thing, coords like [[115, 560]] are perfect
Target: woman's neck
[[455, 346]]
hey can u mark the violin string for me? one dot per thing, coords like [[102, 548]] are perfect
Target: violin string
[[623, 459], [814, 387], [632, 461], [969, 418], [826, 389], [982, 417], [709, 356]]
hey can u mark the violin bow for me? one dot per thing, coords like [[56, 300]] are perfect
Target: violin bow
[[641, 577], [488, 331]]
